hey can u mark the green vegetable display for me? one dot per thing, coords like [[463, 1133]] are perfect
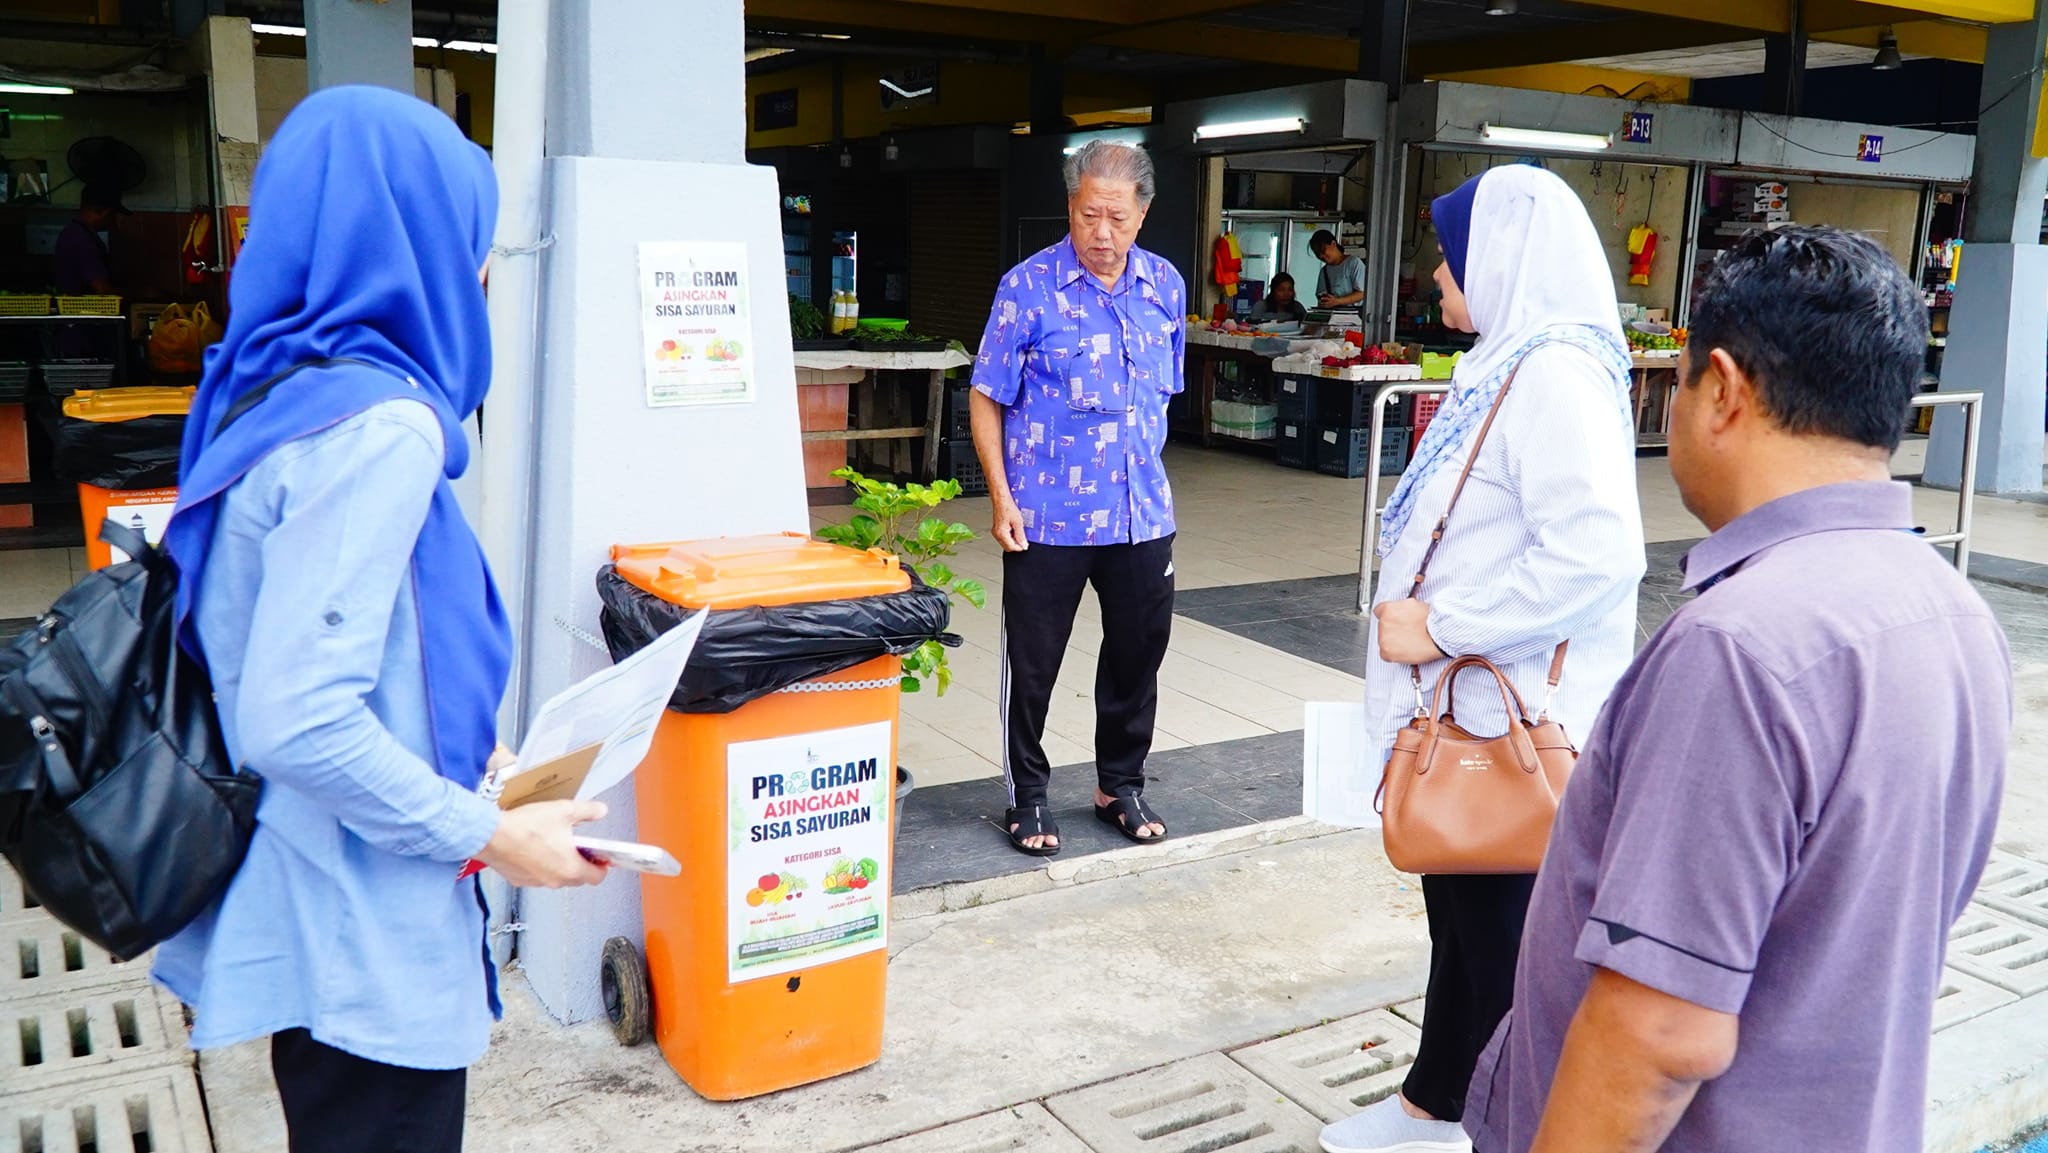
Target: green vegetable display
[[805, 321]]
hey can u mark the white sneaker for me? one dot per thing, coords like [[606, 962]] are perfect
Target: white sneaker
[[1387, 1128]]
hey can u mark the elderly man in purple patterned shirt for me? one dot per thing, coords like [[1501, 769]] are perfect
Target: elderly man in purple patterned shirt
[[1080, 358], [1737, 937]]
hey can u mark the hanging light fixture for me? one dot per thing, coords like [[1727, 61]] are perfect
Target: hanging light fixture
[[1501, 7], [1888, 58]]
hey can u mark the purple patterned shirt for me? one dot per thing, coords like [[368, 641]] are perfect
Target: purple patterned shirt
[[1086, 374]]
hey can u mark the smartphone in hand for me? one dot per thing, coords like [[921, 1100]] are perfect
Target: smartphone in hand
[[631, 857]]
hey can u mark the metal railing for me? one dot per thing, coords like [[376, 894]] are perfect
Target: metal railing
[[1959, 539]]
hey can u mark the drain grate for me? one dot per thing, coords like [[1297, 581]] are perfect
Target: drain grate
[[1205, 1105], [1410, 1011], [84, 1033], [1024, 1129], [1337, 1069], [2002, 950], [38, 956], [153, 1112], [15, 903], [1963, 997], [2016, 886]]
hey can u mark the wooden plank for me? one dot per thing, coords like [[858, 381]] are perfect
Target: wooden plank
[[909, 433]]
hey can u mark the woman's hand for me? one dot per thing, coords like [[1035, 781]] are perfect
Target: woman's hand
[[1404, 633]]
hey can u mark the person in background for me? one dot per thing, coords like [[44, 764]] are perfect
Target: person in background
[[1340, 283], [1545, 546], [1279, 306], [1708, 964], [355, 640], [82, 265], [1083, 351]]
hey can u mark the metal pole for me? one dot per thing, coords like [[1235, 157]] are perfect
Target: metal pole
[[520, 143], [1369, 534], [1966, 503]]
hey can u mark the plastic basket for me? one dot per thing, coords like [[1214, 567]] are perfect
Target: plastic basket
[[13, 304], [88, 306]]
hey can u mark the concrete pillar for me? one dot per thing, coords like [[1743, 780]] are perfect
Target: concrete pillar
[[1383, 42], [1785, 65], [1048, 93], [359, 42], [646, 141], [1998, 330]]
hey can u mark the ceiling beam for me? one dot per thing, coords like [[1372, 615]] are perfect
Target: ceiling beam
[[1617, 38], [1580, 80], [1755, 15], [1939, 39], [882, 16]]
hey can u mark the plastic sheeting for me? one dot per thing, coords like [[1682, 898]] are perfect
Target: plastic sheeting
[[745, 654]]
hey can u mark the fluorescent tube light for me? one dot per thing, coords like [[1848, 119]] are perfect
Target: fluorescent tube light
[[470, 46], [37, 89], [1544, 138], [425, 42], [276, 30], [1251, 128]]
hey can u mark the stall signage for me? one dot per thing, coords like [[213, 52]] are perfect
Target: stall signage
[[1870, 149], [1640, 128], [807, 859], [773, 110], [696, 335]]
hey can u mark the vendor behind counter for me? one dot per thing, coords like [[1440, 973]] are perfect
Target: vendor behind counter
[[1340, 283]]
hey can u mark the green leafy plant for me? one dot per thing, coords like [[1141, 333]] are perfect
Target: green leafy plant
[[893, 518]]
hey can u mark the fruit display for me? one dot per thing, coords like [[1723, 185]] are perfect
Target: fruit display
[[774, 889], [1669, 341], [848, 876]]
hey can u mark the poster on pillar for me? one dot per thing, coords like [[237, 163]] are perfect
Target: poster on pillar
[[696, 328], [807, 860]]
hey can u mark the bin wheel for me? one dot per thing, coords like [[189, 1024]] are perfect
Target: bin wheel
[[623, 979]]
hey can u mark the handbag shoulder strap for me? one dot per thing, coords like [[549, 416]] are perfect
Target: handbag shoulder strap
[[261, 392], [1436, 540]]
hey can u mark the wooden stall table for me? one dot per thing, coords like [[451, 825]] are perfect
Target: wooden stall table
[[1653, 381], [830, 385]]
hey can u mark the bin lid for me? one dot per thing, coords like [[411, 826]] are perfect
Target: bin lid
[[113, 405], [758, 571]]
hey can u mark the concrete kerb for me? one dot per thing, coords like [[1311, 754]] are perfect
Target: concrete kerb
[[1138, 859]]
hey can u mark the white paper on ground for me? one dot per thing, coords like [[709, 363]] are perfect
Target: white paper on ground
[[1337, 787], [617, 708]]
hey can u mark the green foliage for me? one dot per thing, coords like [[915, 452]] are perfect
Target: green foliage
[[893, 518]]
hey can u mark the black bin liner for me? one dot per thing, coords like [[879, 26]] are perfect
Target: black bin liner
[[125, 455], [746, 654]]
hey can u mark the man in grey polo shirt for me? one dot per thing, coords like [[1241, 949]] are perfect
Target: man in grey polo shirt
[[1736, 940]]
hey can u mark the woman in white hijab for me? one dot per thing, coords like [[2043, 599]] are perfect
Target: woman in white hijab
[[1546, 546]]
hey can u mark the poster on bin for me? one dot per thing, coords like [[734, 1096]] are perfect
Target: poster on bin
[[695, 327], [807, 860]]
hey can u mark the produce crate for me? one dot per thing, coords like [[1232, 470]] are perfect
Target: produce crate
[[1292, 443], [959, 463], [1295, 395], [61, 378], [88, 306], [1439, 366], [14, 375], [959, 414], [1343, 451], [15, 304], [1242, 421], [1345, 404], [1425, 409]]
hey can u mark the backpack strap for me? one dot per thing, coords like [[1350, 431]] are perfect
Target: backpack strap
[[261, 392], [124, 538]]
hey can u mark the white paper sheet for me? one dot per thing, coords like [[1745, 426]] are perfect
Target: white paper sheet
[[617, 708], [1337, 787]]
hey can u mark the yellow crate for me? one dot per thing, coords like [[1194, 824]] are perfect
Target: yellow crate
[[12, 304], [88, 306]]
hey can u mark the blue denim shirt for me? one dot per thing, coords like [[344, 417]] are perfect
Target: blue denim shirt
[[1086, 373], [346, 918]]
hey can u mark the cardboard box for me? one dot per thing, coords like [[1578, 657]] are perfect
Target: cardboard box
[[1766, 189]]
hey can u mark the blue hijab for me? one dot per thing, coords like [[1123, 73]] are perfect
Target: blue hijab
[[369, 221]]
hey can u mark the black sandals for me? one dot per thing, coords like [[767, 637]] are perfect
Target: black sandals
[[1127, 813], [1026, 823]]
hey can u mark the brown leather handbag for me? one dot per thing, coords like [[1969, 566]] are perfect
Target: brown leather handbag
[[1455, 803]]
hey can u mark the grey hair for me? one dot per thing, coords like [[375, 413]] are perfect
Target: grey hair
[[1111, 160]]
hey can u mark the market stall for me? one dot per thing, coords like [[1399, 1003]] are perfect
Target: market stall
[[849, 397]]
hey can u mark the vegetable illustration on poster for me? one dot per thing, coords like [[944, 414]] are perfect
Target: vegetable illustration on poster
[[695, 323], [807, 860]]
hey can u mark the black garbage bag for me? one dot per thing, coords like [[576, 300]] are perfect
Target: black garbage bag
[[745, 654], [125, 455]]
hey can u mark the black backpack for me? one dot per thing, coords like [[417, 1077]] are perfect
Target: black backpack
[[119, 805]]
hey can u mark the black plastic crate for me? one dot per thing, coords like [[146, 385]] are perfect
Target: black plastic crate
[[959, 413], [1344, 451], [1292, 443], [1348, 404], [1295, 395], [959, 463]]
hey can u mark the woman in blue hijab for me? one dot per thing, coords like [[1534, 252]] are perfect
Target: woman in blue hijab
[[356, 642]]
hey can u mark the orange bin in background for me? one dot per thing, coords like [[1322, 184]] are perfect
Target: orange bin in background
[[147, 511], [767, 959]]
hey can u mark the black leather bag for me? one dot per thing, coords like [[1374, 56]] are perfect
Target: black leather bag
[[119, 806]]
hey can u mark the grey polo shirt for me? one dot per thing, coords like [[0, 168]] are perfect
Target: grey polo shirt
[[1342, 278], [1783, 809]]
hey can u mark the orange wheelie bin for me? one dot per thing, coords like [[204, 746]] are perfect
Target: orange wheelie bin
[[767, 958]]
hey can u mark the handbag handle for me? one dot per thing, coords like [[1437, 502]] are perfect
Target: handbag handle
[[1436, 540], [1510, 699]]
